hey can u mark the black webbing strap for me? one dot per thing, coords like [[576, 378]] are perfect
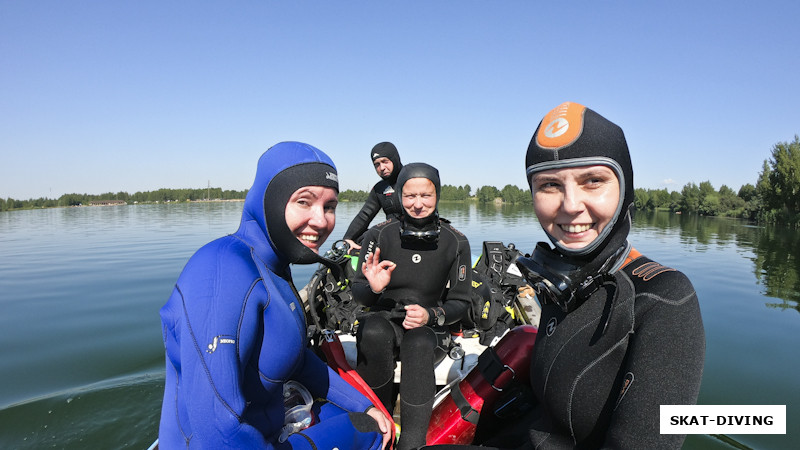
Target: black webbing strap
[[490, 365], [468, 413]]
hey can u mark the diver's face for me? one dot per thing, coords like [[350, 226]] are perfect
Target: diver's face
[[383, 166], [311, 215], [419, 197], [575, 204]]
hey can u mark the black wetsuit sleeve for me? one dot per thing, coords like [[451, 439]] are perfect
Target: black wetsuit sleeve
[[457, 300], [664, 366], [361, 221], [362, 293]]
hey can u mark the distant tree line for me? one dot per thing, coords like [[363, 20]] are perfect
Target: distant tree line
[[774, 198], [509, 194], [353, 196], [159, 196], [449, 193], [484, 194]]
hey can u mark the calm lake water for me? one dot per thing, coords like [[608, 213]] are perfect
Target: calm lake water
[[80, 288]]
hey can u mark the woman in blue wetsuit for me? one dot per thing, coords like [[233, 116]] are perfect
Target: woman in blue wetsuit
[[235, 332], [620, 334]]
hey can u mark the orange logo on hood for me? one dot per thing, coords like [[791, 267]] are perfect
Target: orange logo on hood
[[561, 126]]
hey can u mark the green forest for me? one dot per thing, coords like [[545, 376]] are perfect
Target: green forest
[[774, 198]]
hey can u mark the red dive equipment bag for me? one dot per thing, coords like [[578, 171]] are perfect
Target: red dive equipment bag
[[455, 419]]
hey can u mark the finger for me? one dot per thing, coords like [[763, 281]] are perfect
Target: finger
[[385, 429], [381, 419], [413, 310], [383, 426], [386, 437]]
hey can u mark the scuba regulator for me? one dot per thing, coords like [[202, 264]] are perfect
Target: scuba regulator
[[559, 280]]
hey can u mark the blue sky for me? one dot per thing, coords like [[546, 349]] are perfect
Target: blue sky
[[101, 96]]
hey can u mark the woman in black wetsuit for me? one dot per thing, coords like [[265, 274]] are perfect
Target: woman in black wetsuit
[[421, 264], [387, 164], [619, 334]]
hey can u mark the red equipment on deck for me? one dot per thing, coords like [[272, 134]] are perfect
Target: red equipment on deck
[[455, 419], [334, 355]]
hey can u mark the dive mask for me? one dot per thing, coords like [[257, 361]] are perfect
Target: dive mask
[[556, 279], [426, 229], [428, 236]]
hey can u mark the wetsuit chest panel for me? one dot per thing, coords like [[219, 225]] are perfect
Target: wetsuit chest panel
[[422, 270], [575, 371], [283, 323]]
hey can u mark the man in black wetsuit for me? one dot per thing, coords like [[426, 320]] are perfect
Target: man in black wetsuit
[[421, 264], [387, 164]]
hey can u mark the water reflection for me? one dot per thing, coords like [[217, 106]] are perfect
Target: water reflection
[[773, 249], [494, 222], [694, 229], [506, 213], [777, 266]]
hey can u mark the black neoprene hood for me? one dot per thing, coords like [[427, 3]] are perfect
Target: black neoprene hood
[[387, 150], [277, 195], [573, 135], [419, 170]]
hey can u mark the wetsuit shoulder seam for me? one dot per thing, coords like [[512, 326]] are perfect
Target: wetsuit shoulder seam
[[665, 300]]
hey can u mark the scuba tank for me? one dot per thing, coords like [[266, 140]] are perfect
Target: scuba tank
[[455, 419]]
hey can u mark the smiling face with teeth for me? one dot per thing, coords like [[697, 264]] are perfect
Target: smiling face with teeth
[[311, 215], [575, 204]]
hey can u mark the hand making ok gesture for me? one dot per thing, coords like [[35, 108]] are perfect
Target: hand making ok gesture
[[377, 272]]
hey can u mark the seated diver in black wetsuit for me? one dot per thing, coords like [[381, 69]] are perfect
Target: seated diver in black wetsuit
[[387, 164], [422, 264], [620, 334]]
